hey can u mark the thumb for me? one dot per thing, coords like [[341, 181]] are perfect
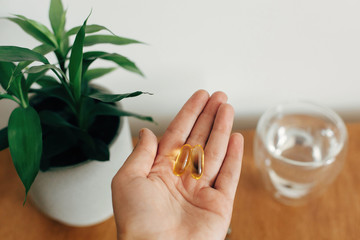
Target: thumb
[[140, 161]]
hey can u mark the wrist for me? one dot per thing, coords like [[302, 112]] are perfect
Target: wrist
[[132, 234], [127, 236]]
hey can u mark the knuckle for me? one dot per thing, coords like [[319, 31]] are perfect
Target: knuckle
[[220, 95], [198, 137]]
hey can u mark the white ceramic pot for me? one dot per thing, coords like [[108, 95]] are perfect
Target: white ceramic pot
[[81, 195]]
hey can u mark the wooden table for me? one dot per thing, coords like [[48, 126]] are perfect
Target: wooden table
[[334, 215]]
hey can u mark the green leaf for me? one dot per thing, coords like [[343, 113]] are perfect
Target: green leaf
[[84, 115], [37, 69], [96, 73], [47, 81], [109, 110], [103, 97], [13, 81], [42, 68], [56, 141], [8, 96], [96, 149], [25, 142], [64, 80], [19, 54], [93, 28], [6, 70], [64, 46], [4, 139], [34, 77], [17, 82], [57, 92], [75, 65], [60, 129], [98, 39], [35, 72], [35, 29], [57, 17], [42, 49], [53, 119], [120, 60]]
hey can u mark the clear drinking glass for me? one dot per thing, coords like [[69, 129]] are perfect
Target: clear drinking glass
[[299, 149]]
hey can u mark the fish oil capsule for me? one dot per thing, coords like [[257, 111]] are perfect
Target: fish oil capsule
[[197, 162], [182, 160]]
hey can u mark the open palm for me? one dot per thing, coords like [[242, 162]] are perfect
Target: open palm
[[150, 202]]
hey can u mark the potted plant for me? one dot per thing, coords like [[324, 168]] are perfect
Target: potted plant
[[63, 120]]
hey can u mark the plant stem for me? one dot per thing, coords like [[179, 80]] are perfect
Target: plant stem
[[64, 83], [61, 60], [24, 103]]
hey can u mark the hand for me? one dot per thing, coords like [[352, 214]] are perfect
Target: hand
[[150, 202]]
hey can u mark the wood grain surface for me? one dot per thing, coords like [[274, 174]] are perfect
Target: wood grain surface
[[334, 215]]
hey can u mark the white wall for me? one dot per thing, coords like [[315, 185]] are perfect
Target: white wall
[[259, 52]]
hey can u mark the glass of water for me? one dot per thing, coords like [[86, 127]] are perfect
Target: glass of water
[[299, 148]]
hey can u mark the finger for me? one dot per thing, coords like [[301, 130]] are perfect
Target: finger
[[180, 128], [229, 174], [140, 161], [217, 144], [200, 132]]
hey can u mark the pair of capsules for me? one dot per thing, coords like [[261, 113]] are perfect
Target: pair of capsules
[[193, 156]]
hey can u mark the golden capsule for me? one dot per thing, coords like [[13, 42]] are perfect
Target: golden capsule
[[182, 160], [197, 162]]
